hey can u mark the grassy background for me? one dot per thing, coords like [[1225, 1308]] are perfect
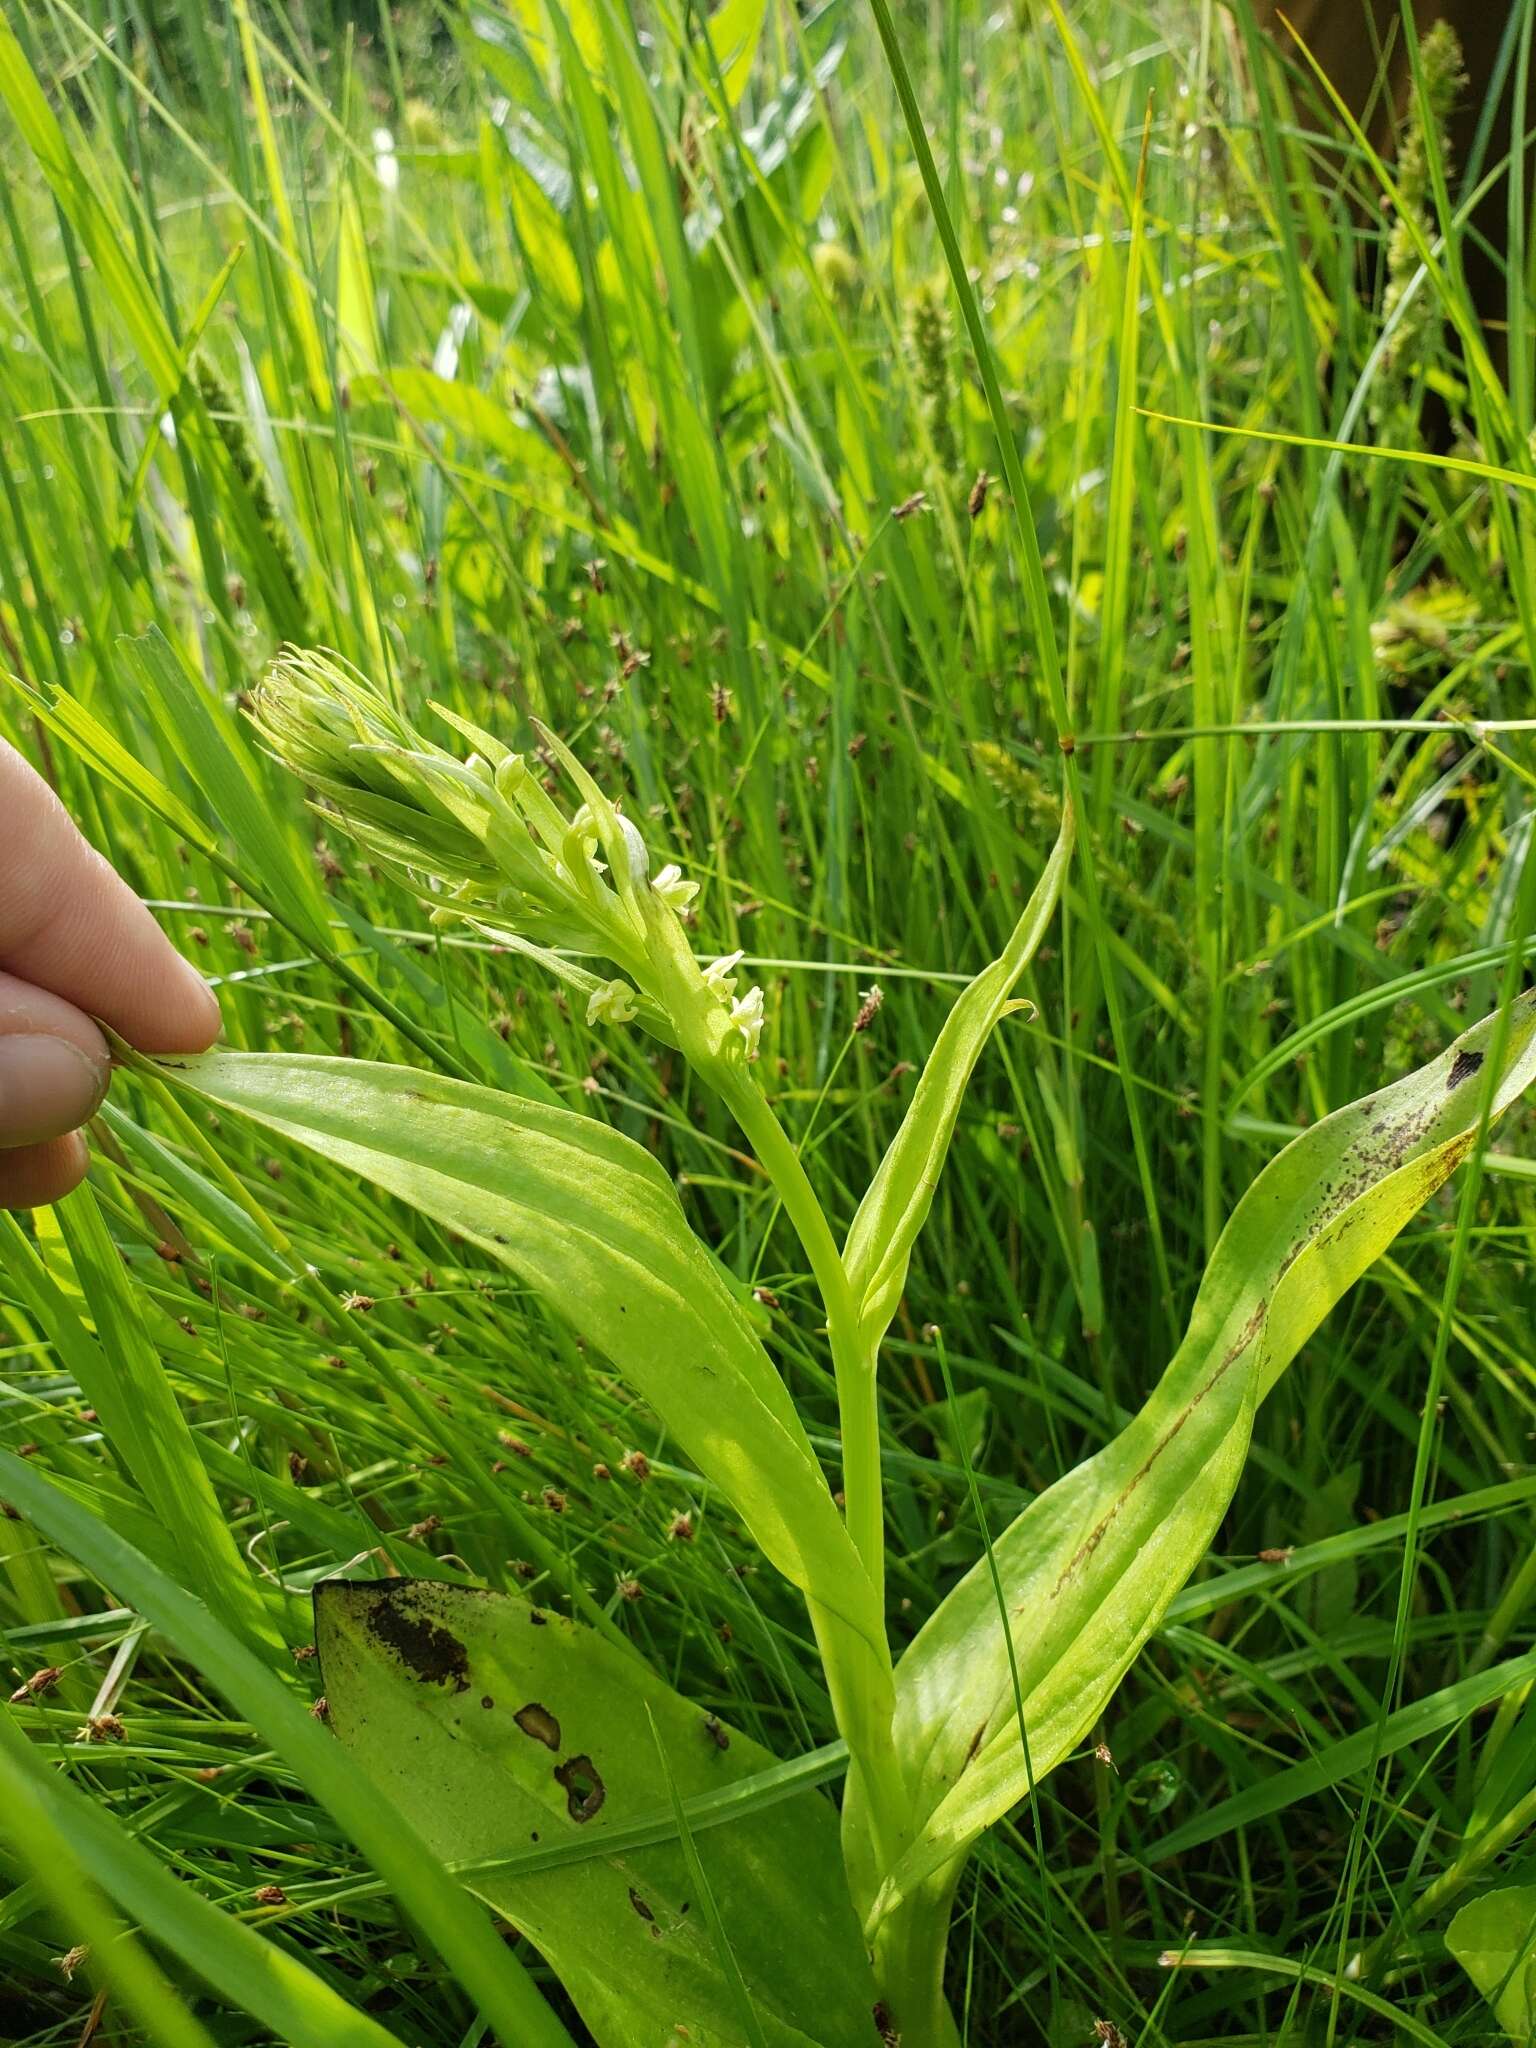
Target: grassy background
[[641, 406]]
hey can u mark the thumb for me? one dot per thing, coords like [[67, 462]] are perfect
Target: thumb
[[54, 1070]]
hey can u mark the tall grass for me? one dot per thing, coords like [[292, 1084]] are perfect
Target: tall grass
[[547, 368]]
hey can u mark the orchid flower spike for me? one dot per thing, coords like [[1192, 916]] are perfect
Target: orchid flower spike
[[670, 886]]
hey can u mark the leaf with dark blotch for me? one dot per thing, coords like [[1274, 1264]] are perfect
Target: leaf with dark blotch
[[472, 1765], [1090, 1566]]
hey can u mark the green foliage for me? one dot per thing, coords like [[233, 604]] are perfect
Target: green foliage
[[893, 1210], [1491, 1939], [257, 1689], [84, 1850], [567, 380], [85, 1310], [1090, 1566], [589, 1220], [1016, 1664], [1442, 80], [495, 1725]]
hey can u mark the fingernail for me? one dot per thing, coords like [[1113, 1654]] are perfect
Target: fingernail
[[47, 1087], [204, 1018]]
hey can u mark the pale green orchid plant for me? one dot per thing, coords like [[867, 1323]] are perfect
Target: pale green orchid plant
[[693, 1891]]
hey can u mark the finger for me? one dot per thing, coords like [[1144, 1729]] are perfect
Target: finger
[[54, 1065], [24, 1007], [69, 923], [42, 1173]]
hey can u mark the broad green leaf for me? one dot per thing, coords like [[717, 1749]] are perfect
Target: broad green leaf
[[1090, 1565], [591, 1222], [481, 421], [959, 1426], [492, 1724], [896, 1205], [495, 301], [551, 266], [581, 20], [1494, 1940]]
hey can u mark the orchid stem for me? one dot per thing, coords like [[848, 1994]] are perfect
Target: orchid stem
[[853, 1368]]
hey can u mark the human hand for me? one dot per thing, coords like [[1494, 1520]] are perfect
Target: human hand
[[75, 943]]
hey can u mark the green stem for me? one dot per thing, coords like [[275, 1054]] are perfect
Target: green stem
[[852, 1365], [861, 1695], [910, 1949], [861, 1706]]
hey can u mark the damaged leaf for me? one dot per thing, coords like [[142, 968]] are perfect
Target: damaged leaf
[[519, 1736], [1090, 1566]]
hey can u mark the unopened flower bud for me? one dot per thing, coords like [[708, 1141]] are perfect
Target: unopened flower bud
[[635, 853]]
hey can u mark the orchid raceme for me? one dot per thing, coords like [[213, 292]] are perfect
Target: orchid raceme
[[1009, 1672], [485, 842]]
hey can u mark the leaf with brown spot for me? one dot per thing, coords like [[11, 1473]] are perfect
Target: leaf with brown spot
[[1090, 1566], [584, 1787], [490, 1790], [539, 1723]]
